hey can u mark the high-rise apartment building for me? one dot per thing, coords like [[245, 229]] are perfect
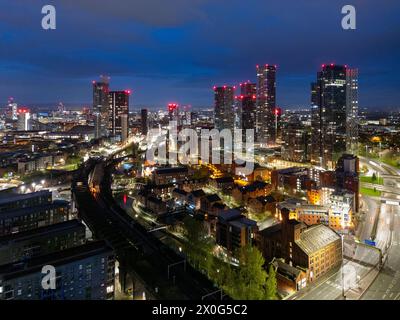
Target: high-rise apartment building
[[101, 106], [224, 100], [247, 101], [333, 113], [144, 121], [352, 111], [118, 108], [266, 104]]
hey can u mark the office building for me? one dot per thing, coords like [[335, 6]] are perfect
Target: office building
[[266, 104]]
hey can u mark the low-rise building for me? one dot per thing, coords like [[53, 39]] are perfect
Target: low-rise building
[[233, 230]]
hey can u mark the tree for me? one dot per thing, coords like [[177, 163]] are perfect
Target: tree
[[250, 278], [198, 246], [373, 176], [271, 286]]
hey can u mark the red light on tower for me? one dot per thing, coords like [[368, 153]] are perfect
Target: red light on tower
[[128, 92], [254, 97], [172, 106], [125, 198]]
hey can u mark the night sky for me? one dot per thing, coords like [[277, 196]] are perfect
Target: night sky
[[176, 50]]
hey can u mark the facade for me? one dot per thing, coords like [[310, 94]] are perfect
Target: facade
[[347, 176], [334, 113], [101, 106], [296, 140], [82, 273], [224, 116], [23, 122], [118, 102], [266, 104], [352, 111], [233, 230], [29, 244], [316, 249], [25, 212], [170, 175], [248, 106], [144, 121]]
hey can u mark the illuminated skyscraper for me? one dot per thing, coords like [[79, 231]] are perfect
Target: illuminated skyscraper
[[12, 110], [224, 99], [101, 106], [247, 100], [118, 106], [144, 121], [24, 116], [266, 104], [352, 111], [333, 114]]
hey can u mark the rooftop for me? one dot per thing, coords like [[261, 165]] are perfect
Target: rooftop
[[316, 237]]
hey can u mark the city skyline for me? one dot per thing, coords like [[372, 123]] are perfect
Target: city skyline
[[194, 59]]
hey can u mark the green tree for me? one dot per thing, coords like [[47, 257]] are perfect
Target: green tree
[[250, 278], [373, 177], [271, 286]]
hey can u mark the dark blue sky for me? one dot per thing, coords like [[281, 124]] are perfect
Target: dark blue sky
[[176, 50]]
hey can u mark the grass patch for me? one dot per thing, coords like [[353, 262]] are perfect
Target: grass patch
[[370, 192], [370, 179]]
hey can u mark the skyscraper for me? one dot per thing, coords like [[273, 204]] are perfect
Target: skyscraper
[[144, 121], [266, 104], [224, 99], [101, 106], [332, 108], [24, 117], [12, 109], [352, 111], [118, 106], [247, 100]]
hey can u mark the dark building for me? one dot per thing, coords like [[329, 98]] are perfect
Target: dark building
[[296, 140], [144, 121], [333, 114], [233, 230], [82, 273], [266, 104], [101, 106], [347, 176], [247, 100], [224, 116], [24, 212], [118, 107], [32, 243]]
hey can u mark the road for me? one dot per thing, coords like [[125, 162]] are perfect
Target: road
[[386, 286], [361, 262]]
